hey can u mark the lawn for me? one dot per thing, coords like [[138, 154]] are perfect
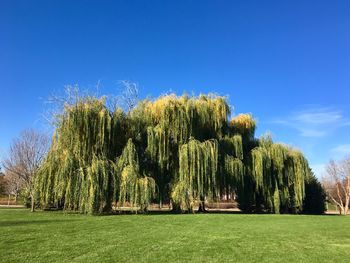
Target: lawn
[[61, 237]]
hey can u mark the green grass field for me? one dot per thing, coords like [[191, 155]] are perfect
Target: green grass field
[[60, 237]]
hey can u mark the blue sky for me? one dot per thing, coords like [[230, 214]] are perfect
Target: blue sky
[[286, 62]]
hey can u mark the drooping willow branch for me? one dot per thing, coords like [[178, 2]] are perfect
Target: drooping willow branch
[[197, 173]]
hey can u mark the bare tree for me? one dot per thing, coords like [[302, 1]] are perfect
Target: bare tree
[[25, 156], [127, 99], [129, 94], [14, 184], [337, 184], [56, 103]]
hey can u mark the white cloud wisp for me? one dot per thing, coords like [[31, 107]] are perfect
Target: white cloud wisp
[[315, 122]]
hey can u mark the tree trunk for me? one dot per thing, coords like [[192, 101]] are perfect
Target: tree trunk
[[175, 208], [8, 201], [343, 210], [32, 203], [201, 208]]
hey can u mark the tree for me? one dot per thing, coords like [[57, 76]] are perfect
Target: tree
[[197, 174], [3, 183], [14, 184], [26, 154], [178, 149], [337, 184], [315, 196], [78, 172], [129, 95]]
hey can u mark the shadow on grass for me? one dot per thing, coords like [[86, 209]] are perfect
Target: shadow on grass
[[165, 212], [208, 212], [155, 212]]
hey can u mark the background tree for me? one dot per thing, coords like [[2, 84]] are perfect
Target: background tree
[[315, 196], [337, 184], [3, 183], [14, 184], [129, 95], [26, 154]]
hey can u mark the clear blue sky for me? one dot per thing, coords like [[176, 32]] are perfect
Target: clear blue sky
[[286, 62]]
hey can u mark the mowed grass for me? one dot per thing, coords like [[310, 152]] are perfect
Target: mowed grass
[[61, 237]]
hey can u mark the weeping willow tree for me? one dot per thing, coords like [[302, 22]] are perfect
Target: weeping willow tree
[[172, 121], [277, 176], [178, 149], [133, 187], [78, 173], [243, 124], [198, 164], [231, 167]]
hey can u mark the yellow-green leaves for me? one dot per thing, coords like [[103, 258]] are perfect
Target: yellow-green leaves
[[134, 188], [184, 146], [197, 172]]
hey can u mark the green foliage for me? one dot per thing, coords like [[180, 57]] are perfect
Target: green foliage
[[243, 124], [134, 188], [3, 185], [278, 174], [315, 196], [234, 168], [172, 121], [78, 173], [232, 145], [197, 173], [183, 146]]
